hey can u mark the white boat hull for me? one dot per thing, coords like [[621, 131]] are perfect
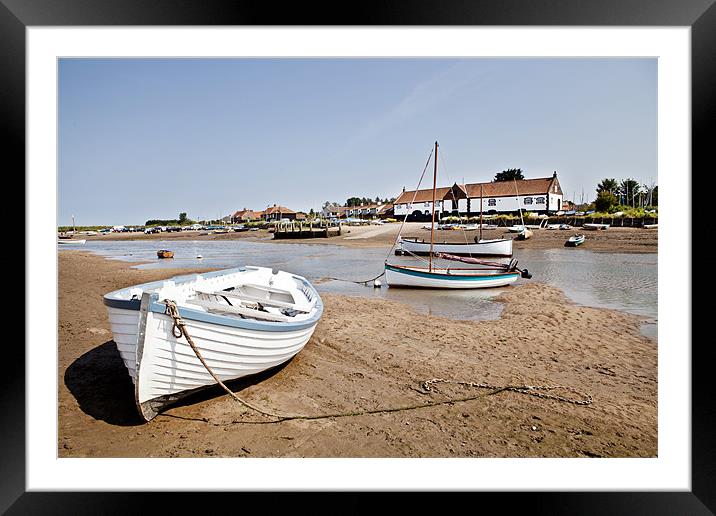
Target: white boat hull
[[165, 368], [442, 278], [70, 241], [594, 227], [497, 247]]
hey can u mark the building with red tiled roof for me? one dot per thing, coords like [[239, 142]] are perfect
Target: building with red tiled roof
[[245, 215], [541, 195], [277, 212]]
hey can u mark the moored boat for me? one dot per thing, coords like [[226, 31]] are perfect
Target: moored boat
[[163, 253], [71, 241], [495, 247], [489, 274], [574, 241], [461, 278], [651, 226], [243, 321], [594, 227]]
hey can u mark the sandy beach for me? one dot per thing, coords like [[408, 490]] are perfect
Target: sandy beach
[[371, 354], [615, 239]]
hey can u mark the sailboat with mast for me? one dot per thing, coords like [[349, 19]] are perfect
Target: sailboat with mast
[[480, 247], [64, 238], [488, 274]]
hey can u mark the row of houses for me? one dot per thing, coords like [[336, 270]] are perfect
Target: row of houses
[[541, 195], [272, 213]]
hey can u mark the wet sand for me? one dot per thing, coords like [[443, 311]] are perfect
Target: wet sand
[[370, 354], [626, 240]]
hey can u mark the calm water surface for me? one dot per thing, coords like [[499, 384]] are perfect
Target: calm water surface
[[608, 280]]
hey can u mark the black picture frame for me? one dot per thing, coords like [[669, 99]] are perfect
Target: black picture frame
[[699, 15]]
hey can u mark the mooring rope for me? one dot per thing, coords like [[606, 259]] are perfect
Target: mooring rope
[[400, 230], [354, 281], [540, 391]]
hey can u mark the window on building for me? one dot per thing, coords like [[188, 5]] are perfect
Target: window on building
[[427, 204], [492, 202], [528, 200], [539, 200]]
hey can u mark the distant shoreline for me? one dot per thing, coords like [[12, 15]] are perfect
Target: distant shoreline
[[614, 239]]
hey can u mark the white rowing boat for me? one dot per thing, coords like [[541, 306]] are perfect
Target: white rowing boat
[[71, 241], [494, 247], [243, 321], [594, 227], [574, 241]]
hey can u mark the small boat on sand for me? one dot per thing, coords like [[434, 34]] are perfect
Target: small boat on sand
[[574, 241], [163, 253], [62, 240], [524, 234], [242, 321], [594, 227], [651, 226]]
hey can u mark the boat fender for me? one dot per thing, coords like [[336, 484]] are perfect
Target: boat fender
[[526, 274]]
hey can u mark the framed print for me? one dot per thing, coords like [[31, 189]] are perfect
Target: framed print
[[185, 175]]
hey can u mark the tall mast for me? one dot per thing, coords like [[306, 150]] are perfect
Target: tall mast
[[480, 211], [432, 225]]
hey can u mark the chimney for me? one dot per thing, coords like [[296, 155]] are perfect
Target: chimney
[[555, 174], [403, 189]]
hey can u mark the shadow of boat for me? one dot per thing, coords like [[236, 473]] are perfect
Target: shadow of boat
[[103, 389]]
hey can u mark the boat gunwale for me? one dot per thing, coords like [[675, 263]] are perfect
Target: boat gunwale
[[111, 300]]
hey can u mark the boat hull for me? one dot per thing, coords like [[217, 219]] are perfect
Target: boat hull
[[416, 277], [165, 369], [497, 247], [574, 242]]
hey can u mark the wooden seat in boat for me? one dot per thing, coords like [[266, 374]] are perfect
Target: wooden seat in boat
[[213, 306], [255, 299]]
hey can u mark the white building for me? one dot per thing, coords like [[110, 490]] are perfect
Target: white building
[[542, 195]]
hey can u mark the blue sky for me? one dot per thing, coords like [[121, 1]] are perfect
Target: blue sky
[[147, 139]]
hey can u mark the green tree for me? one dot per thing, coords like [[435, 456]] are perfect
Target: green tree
[[629, 189], [509, 174], [182, 217], [604, 201], [608, 185]]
